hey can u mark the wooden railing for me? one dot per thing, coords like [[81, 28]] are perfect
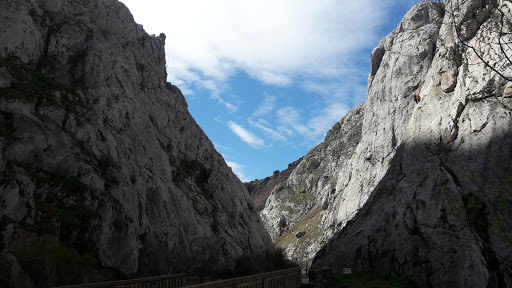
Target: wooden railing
[[168, 281], [289, 278]]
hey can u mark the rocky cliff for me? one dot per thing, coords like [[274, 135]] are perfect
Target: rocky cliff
[[441, 214], [260, 190], [333, 181], [103, 171]]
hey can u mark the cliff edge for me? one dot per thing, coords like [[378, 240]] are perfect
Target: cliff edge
[[104, 174], [334, 180], [441, 214]]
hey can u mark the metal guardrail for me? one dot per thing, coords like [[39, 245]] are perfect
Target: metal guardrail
[[289, 278], [168, 281]]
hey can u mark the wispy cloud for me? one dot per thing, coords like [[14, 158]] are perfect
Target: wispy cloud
[[267, 106], [291, 117], [221, 147], [235, 166], [324, 120], [314, 128], [246, 136], [265, 127], [271, 77], [216, 89], [238, 169]]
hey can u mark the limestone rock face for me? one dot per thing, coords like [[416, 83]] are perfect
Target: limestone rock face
[[298, 203], [441, 214], [100, 161], [260, 190], [335, 179]]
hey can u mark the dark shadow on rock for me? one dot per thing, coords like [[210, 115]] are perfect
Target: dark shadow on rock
[[439, 216]]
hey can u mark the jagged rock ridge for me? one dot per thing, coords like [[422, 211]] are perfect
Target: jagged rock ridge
[[260, 190], [102, 168]]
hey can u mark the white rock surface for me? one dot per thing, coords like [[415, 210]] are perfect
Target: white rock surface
[[441, 215], [340, 173]]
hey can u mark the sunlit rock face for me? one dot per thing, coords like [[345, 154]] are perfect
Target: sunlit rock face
[[102, 168], [333, 181], [441, 214]]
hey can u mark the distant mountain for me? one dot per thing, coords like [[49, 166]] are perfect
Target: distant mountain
[[104, 174]]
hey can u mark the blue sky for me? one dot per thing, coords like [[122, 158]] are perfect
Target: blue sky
[[267, 79]]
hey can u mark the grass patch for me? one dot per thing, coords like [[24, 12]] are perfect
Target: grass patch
[[310, 224], [367, 280], [301, 198]]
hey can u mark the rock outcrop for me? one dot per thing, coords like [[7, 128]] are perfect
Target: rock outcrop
[[334, 180], [260, 190], [441, 214], [103, 171]]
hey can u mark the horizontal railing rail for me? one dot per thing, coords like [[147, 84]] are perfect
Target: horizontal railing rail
[[289, 278], [167, 281]]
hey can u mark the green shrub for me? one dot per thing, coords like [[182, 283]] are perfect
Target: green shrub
[[369, 279], [244, 265], [281, 261], [51, 263], [32, 86]]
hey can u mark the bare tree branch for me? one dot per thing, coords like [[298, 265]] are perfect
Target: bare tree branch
[[500, 43]]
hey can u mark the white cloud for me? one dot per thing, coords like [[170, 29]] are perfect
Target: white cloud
[[273, 78], [238, 169], [291, 118], [230, 106], [216, 89], [284, 130], [319, 123], [246, 136], [273, 41], [315, 46], [267, 106], [323, 121], [261, 124], [221, 147]]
